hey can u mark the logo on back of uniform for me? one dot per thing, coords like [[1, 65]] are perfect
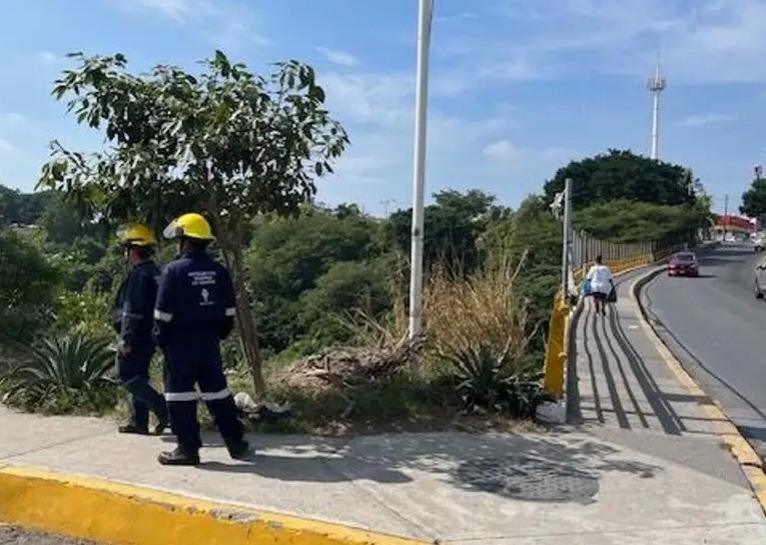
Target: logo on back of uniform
[[203, 280]]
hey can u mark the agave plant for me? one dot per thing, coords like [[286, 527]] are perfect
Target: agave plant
[[488, 379], [61, 370]]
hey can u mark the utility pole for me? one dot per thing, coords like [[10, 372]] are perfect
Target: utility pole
[[567, 238], [419, 167], [656, 85], [385, 203], [725, 216]]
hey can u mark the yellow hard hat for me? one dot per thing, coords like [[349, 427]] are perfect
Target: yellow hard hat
[[189, 226], [136, 234]]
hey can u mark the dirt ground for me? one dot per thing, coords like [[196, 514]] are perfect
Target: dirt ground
[[16, 536]]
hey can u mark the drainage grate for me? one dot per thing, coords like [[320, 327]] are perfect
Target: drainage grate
[[528, 478]]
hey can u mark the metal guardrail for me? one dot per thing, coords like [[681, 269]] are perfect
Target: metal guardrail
[[559, 334]]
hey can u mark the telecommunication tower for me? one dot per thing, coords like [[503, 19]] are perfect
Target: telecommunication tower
[[656, 85]]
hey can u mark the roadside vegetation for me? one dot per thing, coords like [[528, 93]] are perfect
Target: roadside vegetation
[[322, 290]]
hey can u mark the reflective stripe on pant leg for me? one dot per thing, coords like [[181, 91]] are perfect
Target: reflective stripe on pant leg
[[220, 403], [214, 396], [180, 395]]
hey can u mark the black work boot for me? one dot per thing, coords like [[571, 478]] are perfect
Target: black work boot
[[238, 450], [179, 457], [163, 422], [131, 428]]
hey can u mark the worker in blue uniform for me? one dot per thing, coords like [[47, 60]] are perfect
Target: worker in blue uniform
[[194, 312], [132, 320]]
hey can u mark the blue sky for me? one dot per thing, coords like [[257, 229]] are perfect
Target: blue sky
[[518, 87]]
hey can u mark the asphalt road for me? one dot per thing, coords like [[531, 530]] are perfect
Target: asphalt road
[[15, 536], [717, 328]]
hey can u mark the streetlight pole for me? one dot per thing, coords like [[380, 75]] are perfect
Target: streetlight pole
[[567, 239], [418, 184]]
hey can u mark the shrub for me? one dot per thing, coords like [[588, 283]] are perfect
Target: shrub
[[84, 312], [63, 374], [477, 336], [27, 287]]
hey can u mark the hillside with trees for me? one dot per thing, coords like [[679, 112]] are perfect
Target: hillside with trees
[[322, 290]]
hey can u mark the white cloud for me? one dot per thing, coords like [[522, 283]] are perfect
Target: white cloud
[[457, 18], [12, 118], [228, 24], [706, 41], [48, 58], [7, 148], [377, 108], [506, 152], [700, 120], [338, 56], [173, 9]]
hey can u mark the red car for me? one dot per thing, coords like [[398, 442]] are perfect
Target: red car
[[683, 264]]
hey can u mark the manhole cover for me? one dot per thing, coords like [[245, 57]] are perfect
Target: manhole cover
[[528, 478]]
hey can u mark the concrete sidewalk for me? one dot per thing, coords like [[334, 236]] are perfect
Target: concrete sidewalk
[[623, 389], [573, 487]]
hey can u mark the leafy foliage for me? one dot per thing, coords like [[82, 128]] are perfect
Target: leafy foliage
[[629, 221], [226, 143], [453, 227], [62, 372], [623, 175], [754, 199], [27, 288]]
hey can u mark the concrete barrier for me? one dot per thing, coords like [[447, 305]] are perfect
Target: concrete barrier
[[111, 513], [557, 348]]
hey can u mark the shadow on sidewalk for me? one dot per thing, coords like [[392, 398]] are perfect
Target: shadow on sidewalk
[[566, 467]]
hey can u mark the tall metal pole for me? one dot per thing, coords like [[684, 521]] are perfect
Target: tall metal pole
[[655, 125], [725, 216], [567, 238], [656, 85], [418, 183]]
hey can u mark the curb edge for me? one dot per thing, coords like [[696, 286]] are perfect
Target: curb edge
[[740, 449], [106, 512]]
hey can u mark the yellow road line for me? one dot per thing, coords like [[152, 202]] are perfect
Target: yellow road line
[[121, 514], [749, 461]]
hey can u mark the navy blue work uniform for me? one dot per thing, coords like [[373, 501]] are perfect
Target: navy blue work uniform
[[132, 320], [195, 310]]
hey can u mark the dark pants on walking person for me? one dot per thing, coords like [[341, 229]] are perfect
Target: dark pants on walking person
[[133, 373], [194, 359]]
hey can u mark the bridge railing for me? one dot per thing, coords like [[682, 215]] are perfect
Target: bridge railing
[[620, 258]]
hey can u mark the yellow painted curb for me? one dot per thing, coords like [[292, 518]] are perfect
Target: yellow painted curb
[[749, 461], [120, 514]]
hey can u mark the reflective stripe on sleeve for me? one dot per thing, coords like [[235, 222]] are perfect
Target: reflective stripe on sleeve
[[162, 316]]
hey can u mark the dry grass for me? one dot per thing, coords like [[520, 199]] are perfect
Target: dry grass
[[459, 312], [484, 308]]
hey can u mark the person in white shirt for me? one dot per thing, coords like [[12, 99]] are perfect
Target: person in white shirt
[[601, 283]]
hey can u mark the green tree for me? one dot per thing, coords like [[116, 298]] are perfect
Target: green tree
[[226, 143], [629, 221], [27, 288], [288, 258], [452, 227], [326, 310], [618, 175], [754, 199]]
